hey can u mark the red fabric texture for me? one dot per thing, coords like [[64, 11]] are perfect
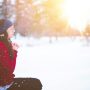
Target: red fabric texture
[[7, 65]]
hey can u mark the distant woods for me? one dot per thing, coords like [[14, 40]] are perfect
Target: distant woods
[[38, 18]]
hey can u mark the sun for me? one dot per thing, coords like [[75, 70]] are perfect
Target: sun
[[77, 13]]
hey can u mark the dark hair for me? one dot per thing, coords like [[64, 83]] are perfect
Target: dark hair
[[7, 42]]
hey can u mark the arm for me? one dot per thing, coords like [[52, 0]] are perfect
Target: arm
[[6, 74], [5, 60]]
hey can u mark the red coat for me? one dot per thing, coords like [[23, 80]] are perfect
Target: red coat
[[7, 65]]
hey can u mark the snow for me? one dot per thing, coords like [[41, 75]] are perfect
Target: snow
[[63, 64]]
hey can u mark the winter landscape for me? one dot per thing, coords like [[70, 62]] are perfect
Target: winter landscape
[[63, 64], [54, 41]]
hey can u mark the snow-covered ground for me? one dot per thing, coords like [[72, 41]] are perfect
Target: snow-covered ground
[[63, 64]]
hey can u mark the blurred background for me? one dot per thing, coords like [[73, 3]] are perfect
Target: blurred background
[[48, 17], [54, 39]]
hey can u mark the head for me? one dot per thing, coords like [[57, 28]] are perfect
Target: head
[[6, 27], [7, 32]]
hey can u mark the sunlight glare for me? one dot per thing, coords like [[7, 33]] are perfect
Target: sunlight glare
[[77, 12]]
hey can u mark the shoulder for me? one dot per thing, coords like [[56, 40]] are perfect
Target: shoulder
[[2, 45]]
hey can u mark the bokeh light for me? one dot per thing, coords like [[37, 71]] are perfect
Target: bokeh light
[[77, 13]]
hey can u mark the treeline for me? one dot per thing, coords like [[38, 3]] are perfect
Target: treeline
[[38, 18]]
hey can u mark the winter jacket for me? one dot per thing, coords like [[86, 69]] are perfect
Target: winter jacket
[[7, 65]]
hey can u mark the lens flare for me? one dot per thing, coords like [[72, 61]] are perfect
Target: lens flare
[[77, 13]]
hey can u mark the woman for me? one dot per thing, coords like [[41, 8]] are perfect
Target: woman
[[8, 54]]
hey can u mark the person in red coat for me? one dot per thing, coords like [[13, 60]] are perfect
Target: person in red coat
[[8, 54]]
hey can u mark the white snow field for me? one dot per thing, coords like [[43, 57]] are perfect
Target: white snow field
[[63, 64]]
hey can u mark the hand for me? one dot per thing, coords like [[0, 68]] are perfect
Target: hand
[[15, 46]]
